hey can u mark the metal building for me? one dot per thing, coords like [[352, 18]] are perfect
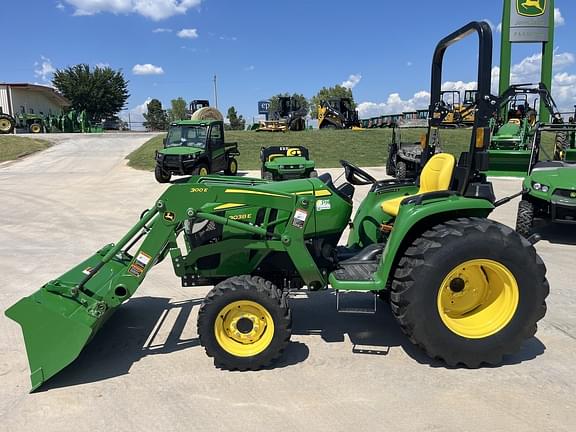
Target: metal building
[[20, 98]]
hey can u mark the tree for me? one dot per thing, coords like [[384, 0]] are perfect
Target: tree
[[156, 118], [301, 103], [236, 122], [178, 110], [330, 93], [102, 92]]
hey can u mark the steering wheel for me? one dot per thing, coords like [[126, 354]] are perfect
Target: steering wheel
[[355, 175]]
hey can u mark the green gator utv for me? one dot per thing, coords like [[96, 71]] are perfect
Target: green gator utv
[[549, 189], [428, 249], [195, 147], [286, 163]]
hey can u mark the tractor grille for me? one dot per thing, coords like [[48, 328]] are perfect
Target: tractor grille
[[172, 159], [565, 193]]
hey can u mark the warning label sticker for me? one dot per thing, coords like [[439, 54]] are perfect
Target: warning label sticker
[[136, 270], [142, 259], [299, 218]]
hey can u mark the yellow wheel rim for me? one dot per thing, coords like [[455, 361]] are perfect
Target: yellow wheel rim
[[35, 128], [233, 166], [203, 171], [478, 298], [244, 328], [5, 124]]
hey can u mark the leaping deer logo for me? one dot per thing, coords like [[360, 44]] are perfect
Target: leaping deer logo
[[534, 3]]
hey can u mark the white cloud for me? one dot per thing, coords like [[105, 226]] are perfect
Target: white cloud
[[102, 65], [409, 64], [394, 105], [188, 33], [44, 69], [153, 9], [162, 30], [558, 18], [249, 68], [352, 81], [147, 69], [59, 6]]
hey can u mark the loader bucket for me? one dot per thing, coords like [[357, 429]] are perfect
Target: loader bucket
[[58, 320], [508, 163]]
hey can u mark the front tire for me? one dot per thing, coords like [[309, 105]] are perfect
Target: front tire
[[469, 291], [7, 124], [244, 323], [35, 128], [161, 175], [201, 170], [525, 218]]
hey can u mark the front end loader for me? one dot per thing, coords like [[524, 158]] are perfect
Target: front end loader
[[465, 289]]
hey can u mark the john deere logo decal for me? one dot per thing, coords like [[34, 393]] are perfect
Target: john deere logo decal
[[531, 8]]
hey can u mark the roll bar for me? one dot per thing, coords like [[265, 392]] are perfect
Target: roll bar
[[486, 105]]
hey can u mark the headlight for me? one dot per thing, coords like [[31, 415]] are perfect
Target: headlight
[[540, 187]]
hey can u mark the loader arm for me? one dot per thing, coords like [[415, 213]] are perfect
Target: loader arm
[[62, 317]]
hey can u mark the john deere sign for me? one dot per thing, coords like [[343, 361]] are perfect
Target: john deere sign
[[529, 21]]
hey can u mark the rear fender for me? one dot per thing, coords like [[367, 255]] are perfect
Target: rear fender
[[415, 218]]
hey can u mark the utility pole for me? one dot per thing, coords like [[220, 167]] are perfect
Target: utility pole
[[215, 92]]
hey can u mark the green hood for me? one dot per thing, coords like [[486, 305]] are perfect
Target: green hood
[[180, 150], [556, 178]]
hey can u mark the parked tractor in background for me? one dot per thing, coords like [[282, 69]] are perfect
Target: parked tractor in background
[[337, 113], [197, 104], [458, 113], [286, 163], [196, 147], [290, 116], [513, 129]]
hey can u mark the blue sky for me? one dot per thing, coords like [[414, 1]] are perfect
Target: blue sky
[[171, 48]]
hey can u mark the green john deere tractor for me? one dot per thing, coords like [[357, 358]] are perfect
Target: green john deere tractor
[[513, 129], [196, 147], [286, 163], [549, 189], [429, 248]]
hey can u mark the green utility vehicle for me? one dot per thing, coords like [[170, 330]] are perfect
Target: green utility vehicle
[[549, 190], [405, 158], [429, 249], [195, 147], [286, 163]]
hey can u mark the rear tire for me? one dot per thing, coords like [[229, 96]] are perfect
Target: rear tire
[[161, 175], [525, 218], [463, 300], [232, 168], [401, 170], [7, 124], [244, 323]]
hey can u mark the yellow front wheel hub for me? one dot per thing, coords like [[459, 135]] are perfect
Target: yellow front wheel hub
[[478, 298], [244, 328], [203, 171], [233, 167]]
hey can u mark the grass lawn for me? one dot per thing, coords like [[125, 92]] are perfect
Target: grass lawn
[[327, 148], [367, 148], [14, 147]]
